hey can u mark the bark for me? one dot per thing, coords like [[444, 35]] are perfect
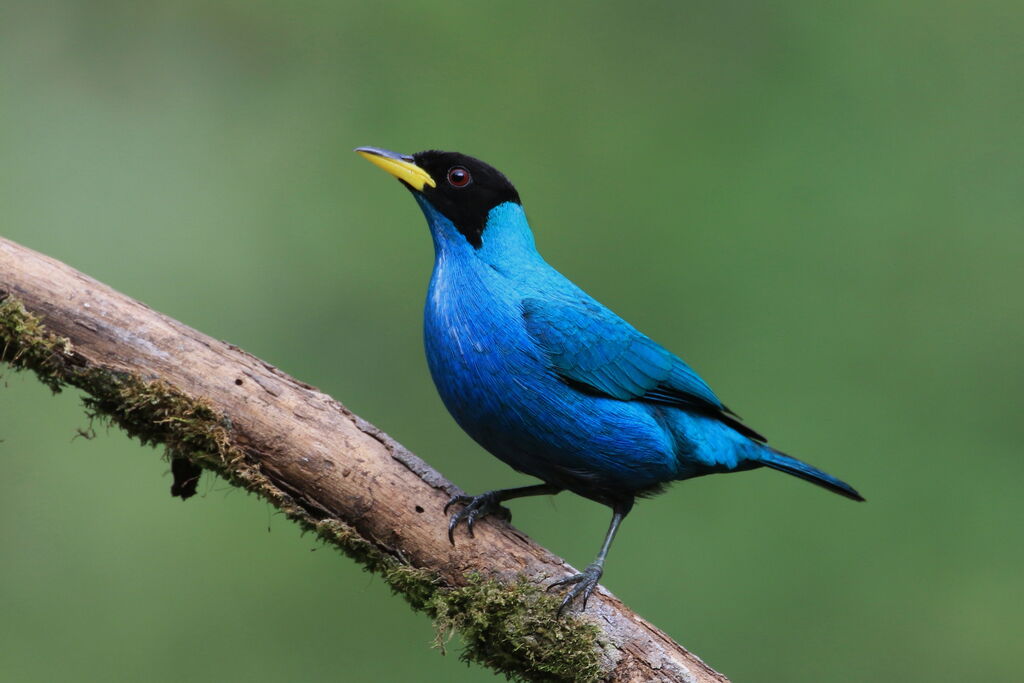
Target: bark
[[324, 466]]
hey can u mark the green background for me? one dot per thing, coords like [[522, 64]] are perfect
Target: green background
[[819, 205]]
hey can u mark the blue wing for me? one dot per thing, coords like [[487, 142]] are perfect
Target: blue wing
[[597, 351]]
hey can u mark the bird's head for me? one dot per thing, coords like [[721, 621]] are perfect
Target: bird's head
[[465, 200]]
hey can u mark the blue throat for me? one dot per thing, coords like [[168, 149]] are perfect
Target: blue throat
[[508, 239]]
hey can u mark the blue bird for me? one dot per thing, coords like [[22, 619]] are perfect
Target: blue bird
[[549, 380]]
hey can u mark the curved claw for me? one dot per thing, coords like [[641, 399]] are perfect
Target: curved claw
[[476, 507], [583, 584], [451, 528], [457, 499], [470, 520]]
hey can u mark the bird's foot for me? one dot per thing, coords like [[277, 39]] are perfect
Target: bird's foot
[[583, 584], [474, 508]]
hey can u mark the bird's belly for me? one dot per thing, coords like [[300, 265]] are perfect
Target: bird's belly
[[499, 389]]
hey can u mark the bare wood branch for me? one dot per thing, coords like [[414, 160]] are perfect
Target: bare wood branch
[[325, 467]]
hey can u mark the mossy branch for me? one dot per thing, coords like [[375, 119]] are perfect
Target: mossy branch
[[215, 407]]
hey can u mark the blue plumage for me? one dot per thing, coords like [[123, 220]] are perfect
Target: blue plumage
[[546, 378]]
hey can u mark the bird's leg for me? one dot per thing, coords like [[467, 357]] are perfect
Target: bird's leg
[[584, 583], [490, 503]]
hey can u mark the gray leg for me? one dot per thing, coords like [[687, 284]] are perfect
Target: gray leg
[[584, 583]]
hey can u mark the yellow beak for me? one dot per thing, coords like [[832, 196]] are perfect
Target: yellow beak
[[399, 165]]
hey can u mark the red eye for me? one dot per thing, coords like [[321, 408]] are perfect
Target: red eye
[[458, 177]]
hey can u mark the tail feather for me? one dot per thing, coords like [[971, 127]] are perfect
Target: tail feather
[[784, 463]]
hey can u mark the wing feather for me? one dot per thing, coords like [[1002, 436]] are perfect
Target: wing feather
[[597, 351]]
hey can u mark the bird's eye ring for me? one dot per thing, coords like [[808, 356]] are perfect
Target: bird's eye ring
[[458, 176]]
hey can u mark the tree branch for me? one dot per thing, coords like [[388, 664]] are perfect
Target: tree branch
[[215, 406]]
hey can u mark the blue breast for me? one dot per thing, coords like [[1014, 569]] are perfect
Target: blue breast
[[496, 382]]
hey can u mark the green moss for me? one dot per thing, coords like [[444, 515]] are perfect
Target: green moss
[[510, 628], [25, 343], [418, 586]]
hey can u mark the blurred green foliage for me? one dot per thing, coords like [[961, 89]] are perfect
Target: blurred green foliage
[[819, 205]]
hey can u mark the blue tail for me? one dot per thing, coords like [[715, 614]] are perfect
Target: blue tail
[[783, 463]]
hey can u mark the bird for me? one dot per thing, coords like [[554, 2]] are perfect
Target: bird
[[549, 380]]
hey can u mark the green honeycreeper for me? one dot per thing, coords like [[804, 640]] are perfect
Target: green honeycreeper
[[549, 380]]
